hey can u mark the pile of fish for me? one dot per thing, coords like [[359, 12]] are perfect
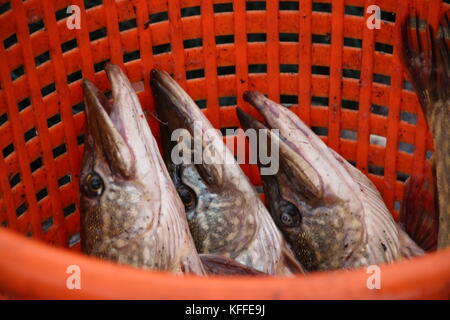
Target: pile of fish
[[144, 209]]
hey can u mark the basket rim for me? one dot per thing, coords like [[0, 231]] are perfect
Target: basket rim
[[423, 277]]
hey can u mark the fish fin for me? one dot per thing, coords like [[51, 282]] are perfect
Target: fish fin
[[408, 247], [427, 58], [382, 234], [419, 214], [219, 265]]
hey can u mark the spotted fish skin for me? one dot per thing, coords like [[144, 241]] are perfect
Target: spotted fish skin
[[225, 214], [329, 211], [427, 58], [130, 210]]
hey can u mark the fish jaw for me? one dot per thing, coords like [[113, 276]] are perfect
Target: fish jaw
[[227, 217], [343, 218], [135, 217]]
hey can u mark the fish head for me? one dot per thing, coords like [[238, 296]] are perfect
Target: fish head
[[220, 203], [307, 198], [118, 201]]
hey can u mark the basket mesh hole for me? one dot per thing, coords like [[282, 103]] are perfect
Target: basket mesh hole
[[4, 7], [201, 103], [46, 224], [64, 180], [353, 42], [349, 135], [354, 11], [384, 47], [388, 16], [319, 101], [80, 139], [321, 38], [130, 56], [97, 34], [350, 104], [289, 5], [256, 37], [406, 147], [25, 103], [36, 164], [190, 11], [77, 108], [322, 70], [158, 17], [193, 43], [10, 41], [21, 209], [17, 73], [407, 85], [71, 208], [225, 39], [92, 3], [408, 117], [41, 194], [380, 78], [53, 120], [35, 26], [288, 99], [351, 73], [99, 66], [4, 224], [321, 7], [61, 14], [195, 74], [48, 89], [227, 101], [30, 134], [257, 68], [9, 149], [74, 76], [255, 5], [377, 140], [397, 205], [320, 131], [401, 176], [429, 154], [127, 25], [223, 7], [162, 48], [59, 150], [380, 110], [42, 58], [376, 170], [3, 119], [288, 37], [73, 240], [226, 70], [14, 180], [289, 68], [69, 45]]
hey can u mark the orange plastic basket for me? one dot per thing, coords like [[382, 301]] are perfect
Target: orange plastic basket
[[341, 77]]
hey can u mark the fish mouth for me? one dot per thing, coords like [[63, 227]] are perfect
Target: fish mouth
[[298, 172], [115, 130], [177, 110]]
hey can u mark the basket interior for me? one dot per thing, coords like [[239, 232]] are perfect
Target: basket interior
[[347, 82]]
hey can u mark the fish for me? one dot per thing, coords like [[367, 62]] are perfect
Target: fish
[[225, 214], [130, 210], [330, 212], [426, 56]]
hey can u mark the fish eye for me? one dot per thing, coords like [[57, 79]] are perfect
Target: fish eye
[[289, 214], [93, 185], [187, 196]]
